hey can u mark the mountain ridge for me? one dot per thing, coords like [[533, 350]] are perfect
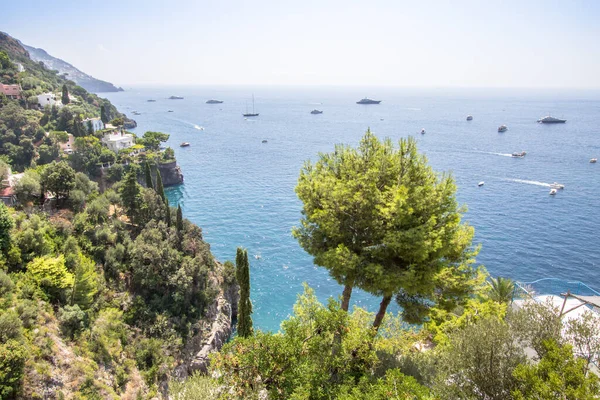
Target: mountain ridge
[[84, 80]]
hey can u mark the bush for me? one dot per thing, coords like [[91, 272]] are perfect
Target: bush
[[12, 363], [10, 326], [72, 320], [6, 284], [28, 312]]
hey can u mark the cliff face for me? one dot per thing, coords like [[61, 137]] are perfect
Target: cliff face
[[216, 329], [171, 173]]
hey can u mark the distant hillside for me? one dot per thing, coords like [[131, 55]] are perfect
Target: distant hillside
[[84, 80]]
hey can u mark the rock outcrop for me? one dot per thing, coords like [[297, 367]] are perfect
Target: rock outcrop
[[171, 173]]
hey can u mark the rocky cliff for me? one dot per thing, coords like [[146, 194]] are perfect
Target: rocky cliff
[[171, 173]]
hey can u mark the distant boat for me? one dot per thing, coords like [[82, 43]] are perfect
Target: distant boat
[[264, 141], [252, 114], [184, 144], [553, 191], [150, 100], [315, 111], [175, 98], [502, 128], [469, 118], [170, 111], [481, 183], [594, 160], [368, 101], [214, 102], [551, 120], [423, 131], [557, 185], [519, 155]]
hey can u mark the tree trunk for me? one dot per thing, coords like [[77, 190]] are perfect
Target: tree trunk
[[346, 294], [381, 313]]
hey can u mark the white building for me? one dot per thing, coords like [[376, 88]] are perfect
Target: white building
[[117, 141], [48, 99], [95, 123], [69, 146]]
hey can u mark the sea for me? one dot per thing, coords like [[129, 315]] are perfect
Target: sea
[[240, 189]]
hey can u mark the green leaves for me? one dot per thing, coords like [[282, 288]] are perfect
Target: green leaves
[[244, 325]]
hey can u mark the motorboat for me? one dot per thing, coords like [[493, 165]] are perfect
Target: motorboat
[[502, 128], [315, 111], [481, 183], [469, 118], [175, 98], [150, 100], [594, 160], [213, 101], [551, 120], [556, 185], [257, 256], [423, 131], [170, 111], [184, 144], [264, 141], [368, 101], [519, 155], [552, 192]]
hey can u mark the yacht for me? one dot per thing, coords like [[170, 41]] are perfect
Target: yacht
[[264, 141], [593, 160], [469, 118], [212, 101], [552, 192], [551, 120], [150, 100], [481, 183], [250, 114], [502, 128], [368, 101], [175, 98], [556, 185], [519, 155], [423, 131], [315, 111], [184, 144]]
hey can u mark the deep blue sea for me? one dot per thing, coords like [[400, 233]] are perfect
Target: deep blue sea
[[241, 191]]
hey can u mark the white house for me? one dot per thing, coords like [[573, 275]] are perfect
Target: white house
[[118, 140], [95, 123], [48, 99]]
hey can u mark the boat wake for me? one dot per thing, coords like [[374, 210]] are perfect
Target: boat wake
[[200, 128], [413, 109], [537, 183], [495, 154]]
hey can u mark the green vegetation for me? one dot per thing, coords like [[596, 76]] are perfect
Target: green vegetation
[[242, 270]]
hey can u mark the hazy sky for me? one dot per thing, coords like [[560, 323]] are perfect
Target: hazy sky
[[479, 43]]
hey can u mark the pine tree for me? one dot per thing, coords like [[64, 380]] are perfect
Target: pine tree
[[65, 95], [244, 328], [179, 223], [149, 183], [85, 283], [160, 190]]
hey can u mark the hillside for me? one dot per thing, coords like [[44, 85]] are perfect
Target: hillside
[[84, 80]]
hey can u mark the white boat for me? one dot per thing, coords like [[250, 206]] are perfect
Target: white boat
[[481, 183], [552, 192], [557, 185], [423, 131], [469, 118], [502, 128], [594, 160], [257, 256], [518, 155]]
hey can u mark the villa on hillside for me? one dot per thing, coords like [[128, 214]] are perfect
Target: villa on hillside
[[48, 99], [117, 141], [69, 146], [7, 193], [95, 123], [11, 91]]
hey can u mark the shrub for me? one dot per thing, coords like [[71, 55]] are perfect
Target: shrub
[[12, 363], [6, 284], [72, 320], [10, 326]]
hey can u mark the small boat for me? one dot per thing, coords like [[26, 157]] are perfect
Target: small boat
[[257, 256], [175, 98], [502, 128], [423, 131], [469, 118], [556, 185], [519, 155], [481, 183], [551, 120], [315, 111], [184, 144], [552, 192], [368, 101], [593, 160], [170, 111], [212, 101], [264, 141], [150, 100]]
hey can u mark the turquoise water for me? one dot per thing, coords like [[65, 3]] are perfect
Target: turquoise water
[[241, 191]]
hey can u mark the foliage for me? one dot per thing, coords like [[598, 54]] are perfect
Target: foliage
[[65, 95], [242, 268], [51, 274], [558, 375], [151, 359], [479, 362], [10, 326], [13, 356], [381, 219], [6, 224], [584, 334], [85, 283], [501, 289], [131, 196], [28, 188], [152, 140], [148, 176], [72, 320], [195, 387], [59, 178], [394, 385]]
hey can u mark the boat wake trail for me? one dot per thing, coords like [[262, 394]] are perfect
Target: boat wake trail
[[495, 154], [200, 128], [537, 183], [413, 109]]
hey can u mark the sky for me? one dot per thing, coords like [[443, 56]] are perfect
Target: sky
[[469, 43]]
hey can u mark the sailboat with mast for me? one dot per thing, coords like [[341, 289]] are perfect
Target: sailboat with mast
[[253, 113]]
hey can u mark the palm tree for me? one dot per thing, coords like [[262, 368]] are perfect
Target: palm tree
[[501, 289]]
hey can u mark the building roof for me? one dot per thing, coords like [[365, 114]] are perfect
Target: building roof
[[10, 90], [7, 192]]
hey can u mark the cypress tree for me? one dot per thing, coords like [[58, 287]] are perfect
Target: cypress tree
[[179, 223], [244, 327], [65, 95], [160, 190], [149, 183], [104, 114], [168, 211], [131, 196]]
